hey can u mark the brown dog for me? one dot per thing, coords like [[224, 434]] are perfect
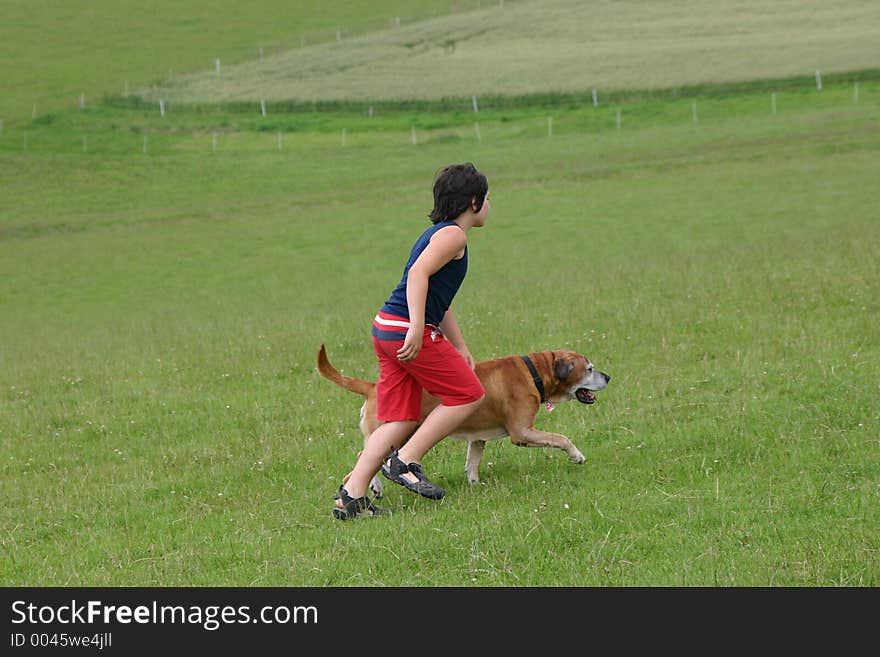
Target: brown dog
[[514, 395]]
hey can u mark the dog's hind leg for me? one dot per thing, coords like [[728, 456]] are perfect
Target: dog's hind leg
[[531, 437], [474, 456]]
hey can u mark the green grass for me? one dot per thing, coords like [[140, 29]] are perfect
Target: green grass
[[161, 422]]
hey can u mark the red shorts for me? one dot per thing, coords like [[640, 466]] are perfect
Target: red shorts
[[439, 368]]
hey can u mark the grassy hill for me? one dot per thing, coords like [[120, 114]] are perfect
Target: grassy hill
[[53, 52], [557, 45]]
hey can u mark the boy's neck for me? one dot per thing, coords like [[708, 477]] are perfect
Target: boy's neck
[[465, 220]]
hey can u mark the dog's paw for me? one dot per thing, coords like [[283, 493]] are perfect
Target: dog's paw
[[577, 457], [376, 487]]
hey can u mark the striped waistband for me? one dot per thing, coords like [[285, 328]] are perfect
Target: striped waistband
[[391, 322], [392, 327]]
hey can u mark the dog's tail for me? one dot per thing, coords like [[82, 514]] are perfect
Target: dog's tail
[[349, 383]]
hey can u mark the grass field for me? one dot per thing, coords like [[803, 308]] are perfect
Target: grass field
[[165, 283]]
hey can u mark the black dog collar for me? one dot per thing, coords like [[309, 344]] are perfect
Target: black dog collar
[[539, 384]]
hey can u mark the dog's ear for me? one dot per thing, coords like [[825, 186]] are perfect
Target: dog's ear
[[562, 367]]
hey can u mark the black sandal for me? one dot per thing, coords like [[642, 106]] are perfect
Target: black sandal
[[394, 470], [356, 507]]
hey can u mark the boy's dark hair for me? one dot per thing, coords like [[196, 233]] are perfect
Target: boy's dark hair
[[455, 186]]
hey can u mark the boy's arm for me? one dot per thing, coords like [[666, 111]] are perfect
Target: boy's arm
[[450, 329]]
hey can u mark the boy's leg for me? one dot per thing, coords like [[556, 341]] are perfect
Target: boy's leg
[[399, 396], [445, 374], [380, 443], [439, 424]]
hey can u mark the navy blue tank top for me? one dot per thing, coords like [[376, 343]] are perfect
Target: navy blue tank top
[[442, 285]]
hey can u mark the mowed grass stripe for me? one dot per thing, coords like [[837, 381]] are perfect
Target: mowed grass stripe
[[555, 46]]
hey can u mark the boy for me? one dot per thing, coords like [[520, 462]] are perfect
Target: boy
[[420, 346]]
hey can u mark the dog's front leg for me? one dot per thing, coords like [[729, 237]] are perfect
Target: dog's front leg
[[531, 437], [474, 456]]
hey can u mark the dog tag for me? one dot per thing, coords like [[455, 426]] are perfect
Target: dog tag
[[549, 407]]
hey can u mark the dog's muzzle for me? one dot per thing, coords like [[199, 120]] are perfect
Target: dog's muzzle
[[585, 396], [598, 382]]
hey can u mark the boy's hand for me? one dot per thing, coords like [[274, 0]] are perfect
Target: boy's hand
[[412, 344], [467, 356]]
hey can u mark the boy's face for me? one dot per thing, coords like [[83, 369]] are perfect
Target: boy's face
[[483, 213]]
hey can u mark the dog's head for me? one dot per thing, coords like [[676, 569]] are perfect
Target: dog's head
[[577, 377]]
